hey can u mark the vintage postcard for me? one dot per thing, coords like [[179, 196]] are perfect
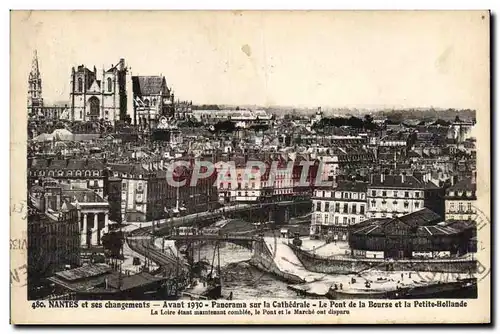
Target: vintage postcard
[[250, 167]]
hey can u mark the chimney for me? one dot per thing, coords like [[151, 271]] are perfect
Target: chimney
[[474, 177], [382, 177], [402, 178]]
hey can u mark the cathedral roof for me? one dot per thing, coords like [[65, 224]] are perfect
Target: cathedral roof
[[149, 85]]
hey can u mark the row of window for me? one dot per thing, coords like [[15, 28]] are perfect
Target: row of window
[[460, 193], [66, 173], [384, 214], [394, 193], [406, 204], [461, 207], [324, 219], [343, 195], [252, 186], [345, 208]]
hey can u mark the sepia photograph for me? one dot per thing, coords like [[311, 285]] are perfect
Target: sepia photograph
[[250, 166]]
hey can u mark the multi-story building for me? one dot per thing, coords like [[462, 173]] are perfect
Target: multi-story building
[[134, 190], [81, 173], [335, 209], [53, 235], [460, 200], [165, 199], [277, 182], [239, 187], [397, 195], [92, 209], [282, 183], [344, 160], [396, 139]]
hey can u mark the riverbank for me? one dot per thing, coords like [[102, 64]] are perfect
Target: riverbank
[[281, 259], [342, 264]]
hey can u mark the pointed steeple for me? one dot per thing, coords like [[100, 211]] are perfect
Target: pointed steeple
[[35, 71], [35, 100]]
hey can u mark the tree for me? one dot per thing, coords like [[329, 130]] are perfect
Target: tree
[[113, 241], [226, 126]]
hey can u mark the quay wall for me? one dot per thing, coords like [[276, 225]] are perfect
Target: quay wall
[[262, 258], [343, 265]]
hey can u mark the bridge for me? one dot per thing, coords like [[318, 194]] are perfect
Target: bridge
[[137, 238], [215, 237], [165, 260], [162, 226], [246, 241]]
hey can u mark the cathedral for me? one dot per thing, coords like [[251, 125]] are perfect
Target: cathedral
[[99, 96], [110, 95]]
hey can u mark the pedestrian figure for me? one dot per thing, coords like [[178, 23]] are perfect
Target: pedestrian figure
[[402, 276], [341, 286]]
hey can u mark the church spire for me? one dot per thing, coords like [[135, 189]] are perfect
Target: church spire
[[35, 100], [35, 71]]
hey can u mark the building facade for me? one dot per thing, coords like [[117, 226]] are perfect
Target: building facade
[[96, 96], [461, 200], [335, 209], [53, 234], [78, 173], [397, 195]]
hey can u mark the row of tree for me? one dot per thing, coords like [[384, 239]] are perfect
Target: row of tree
[[353, 122]]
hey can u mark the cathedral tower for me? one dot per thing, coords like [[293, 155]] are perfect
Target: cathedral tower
[[35, 100]]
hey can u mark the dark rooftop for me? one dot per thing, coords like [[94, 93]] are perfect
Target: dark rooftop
[[423, 222], [149, 85], [464, 185], [396, 181]]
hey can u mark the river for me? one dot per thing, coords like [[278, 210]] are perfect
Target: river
[[242, 279]]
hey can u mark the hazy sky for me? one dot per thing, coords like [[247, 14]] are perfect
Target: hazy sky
[[337, 59]]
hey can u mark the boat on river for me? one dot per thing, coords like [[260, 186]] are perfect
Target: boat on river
[[462, 288], [205, 285]]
